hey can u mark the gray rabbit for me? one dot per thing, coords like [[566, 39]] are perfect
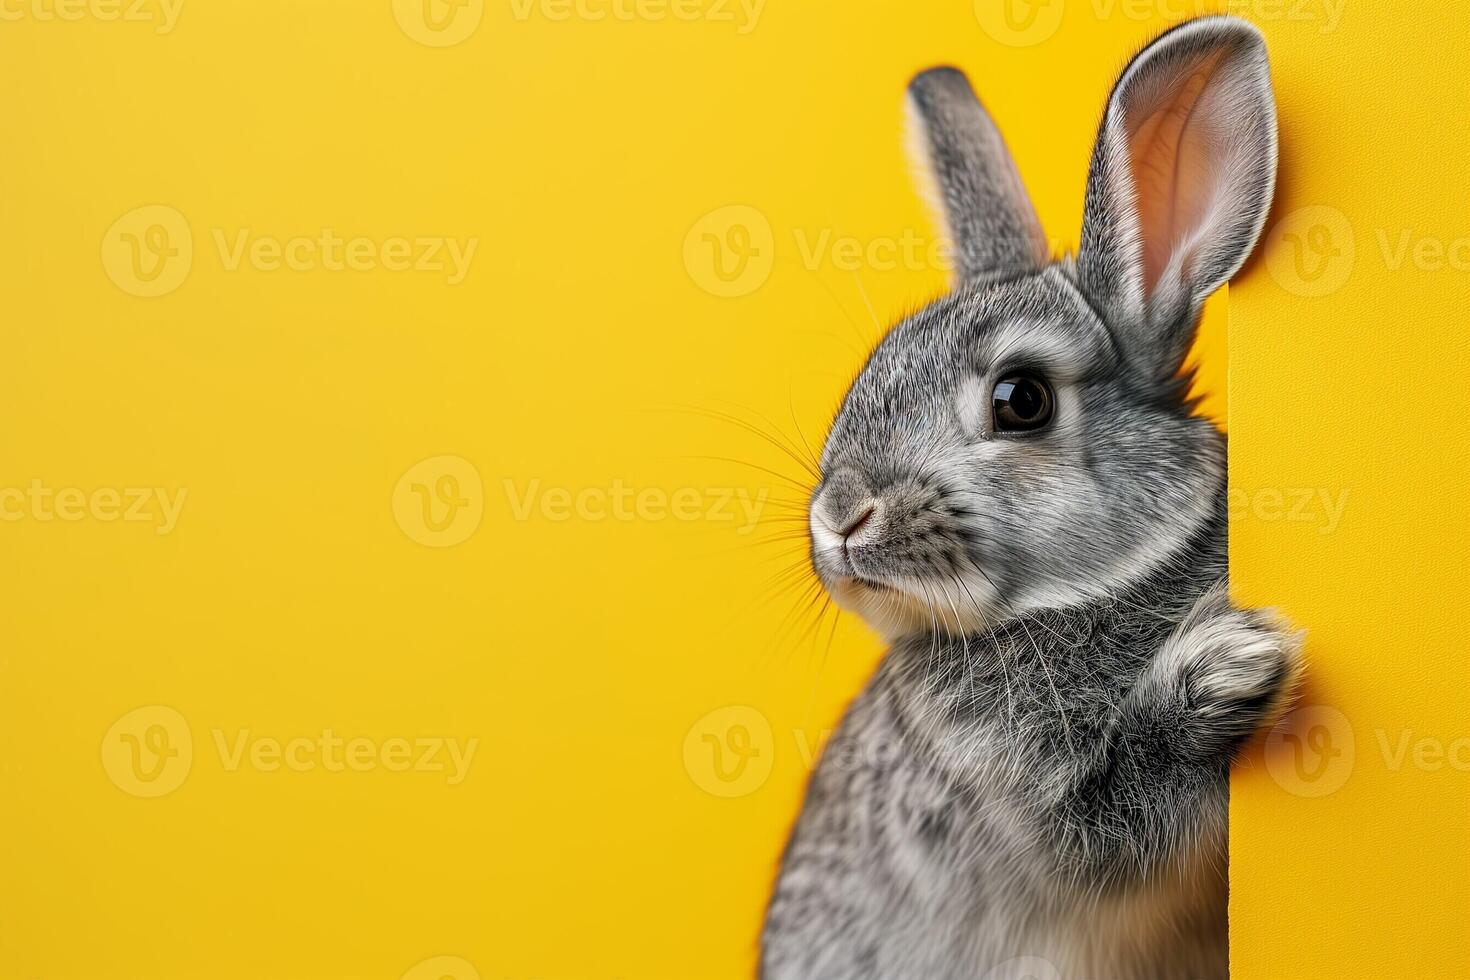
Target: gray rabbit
[[1017, 495]]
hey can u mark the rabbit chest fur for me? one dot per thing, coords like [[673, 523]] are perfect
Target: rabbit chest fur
[[961, 825]]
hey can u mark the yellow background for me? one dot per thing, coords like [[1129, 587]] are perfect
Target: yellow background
[[1348, 375], [591, 347]]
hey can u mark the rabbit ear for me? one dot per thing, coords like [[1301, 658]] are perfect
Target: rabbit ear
[[1180, 184], [971, 179]]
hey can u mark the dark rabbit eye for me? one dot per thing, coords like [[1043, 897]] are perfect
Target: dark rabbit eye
[[1022, 402]]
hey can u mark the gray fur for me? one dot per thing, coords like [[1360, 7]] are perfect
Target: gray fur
[[984, 203], [1034, 783]]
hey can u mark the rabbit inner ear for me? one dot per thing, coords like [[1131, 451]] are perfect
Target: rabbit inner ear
[[1174, 154], [1181, 180]]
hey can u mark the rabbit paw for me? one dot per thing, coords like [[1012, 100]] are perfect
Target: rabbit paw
[[1234, 670]]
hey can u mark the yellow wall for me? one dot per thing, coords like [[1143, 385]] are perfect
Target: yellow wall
[[1348, 401], [585, 599]]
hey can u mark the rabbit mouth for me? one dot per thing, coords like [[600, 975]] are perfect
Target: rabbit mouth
[[849, 575], [901, 604], [895, 610]]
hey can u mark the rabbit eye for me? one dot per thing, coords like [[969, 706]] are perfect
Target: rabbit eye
[[1022, 402]]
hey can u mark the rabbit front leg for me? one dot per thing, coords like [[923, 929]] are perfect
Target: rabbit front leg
[[1155, 784]]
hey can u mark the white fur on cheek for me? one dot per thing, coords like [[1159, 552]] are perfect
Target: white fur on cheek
[[824, 539], [973, 406]]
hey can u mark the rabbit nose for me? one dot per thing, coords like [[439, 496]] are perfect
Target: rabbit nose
[[860, 523], [845, 514], [864, 515]]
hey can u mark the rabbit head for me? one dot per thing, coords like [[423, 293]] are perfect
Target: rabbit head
[[1027, 441]]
